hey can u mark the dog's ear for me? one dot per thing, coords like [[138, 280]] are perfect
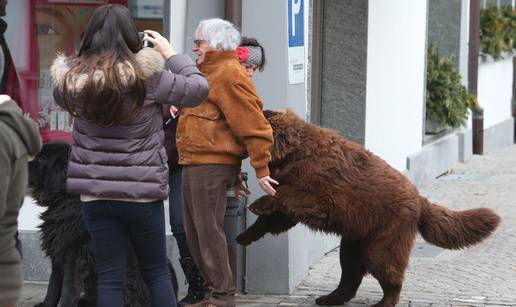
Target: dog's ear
[[286, 128], [285, 143], [55, 178], [279, 148]]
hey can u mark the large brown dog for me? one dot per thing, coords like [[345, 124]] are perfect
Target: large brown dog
[[336, 186]]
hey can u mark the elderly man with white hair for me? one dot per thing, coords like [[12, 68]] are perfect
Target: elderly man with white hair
[[212, 140]]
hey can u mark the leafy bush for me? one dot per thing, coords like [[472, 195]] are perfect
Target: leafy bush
[[509, 28], [497, 30], [446, 97]]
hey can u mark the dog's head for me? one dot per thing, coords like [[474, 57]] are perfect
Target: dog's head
[[47, 172], [286, 130]]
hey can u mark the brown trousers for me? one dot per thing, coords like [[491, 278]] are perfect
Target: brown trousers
[[204, 189]]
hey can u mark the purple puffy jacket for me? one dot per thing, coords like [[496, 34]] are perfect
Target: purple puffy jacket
[[129, 161]]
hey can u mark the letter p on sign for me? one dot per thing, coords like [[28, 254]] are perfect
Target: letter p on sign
[[296, 8], [295, 23]]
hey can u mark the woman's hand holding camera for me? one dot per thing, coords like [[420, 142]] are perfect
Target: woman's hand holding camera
[[160, 43]]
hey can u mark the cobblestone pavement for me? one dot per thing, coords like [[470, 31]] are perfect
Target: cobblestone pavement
[[484, 275]]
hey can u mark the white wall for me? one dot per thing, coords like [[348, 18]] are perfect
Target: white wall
[[17, 33], [395, 78], [464, 41], [495, 90], [197, 10], [28, 219], [178, 25]]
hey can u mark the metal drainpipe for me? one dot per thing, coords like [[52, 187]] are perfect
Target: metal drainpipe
[[514, 94], [474, 46], [233, 12]]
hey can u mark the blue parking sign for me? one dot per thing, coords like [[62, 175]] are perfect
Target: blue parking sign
[[295, 23]]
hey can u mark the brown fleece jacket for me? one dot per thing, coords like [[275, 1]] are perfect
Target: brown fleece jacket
[[230, 123]]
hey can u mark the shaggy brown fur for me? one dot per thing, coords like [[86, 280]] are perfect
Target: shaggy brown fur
[[336, 186]]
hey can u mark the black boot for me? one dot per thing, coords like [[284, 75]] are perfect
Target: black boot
[[196, 289]]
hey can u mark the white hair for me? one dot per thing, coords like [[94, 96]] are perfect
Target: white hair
[[219, 34]]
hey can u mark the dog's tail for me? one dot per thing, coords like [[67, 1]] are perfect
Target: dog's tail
[[455, 229]]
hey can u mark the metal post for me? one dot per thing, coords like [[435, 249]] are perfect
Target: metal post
[[233, 12], [317, 61], [234, 220], [474, 47], [514, 95]]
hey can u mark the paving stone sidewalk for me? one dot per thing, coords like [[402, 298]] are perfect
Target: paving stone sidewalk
[[484, 275]]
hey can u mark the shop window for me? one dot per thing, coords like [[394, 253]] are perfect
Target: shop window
[[32, 32]]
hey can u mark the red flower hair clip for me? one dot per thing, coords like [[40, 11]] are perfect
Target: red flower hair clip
[[242, 54]]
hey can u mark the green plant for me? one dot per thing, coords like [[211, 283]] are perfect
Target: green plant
[[509, 29], [446, 97], [497, 30]]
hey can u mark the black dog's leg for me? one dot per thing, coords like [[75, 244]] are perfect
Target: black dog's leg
[[89, 299], [69, 293], [275, 223], [54, 287], [90, 291]]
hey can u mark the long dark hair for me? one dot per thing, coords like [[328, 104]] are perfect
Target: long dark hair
[[108, 45]]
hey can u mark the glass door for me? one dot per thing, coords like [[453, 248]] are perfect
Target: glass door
[[33, 32]]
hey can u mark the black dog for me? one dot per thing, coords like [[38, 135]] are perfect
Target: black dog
[[65, 240]]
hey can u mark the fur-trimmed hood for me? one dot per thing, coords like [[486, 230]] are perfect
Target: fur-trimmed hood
[[149, 59]]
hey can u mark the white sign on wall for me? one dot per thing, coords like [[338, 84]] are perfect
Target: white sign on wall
[[296, 44], [151, 9]]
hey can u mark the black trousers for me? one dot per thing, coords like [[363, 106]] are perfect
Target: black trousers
[[112, 224]]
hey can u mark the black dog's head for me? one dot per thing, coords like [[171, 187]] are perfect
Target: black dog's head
[[47, 172], [286, 131]]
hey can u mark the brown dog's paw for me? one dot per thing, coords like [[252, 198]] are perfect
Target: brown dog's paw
[[330, 300], [244, 238], [262, 207]]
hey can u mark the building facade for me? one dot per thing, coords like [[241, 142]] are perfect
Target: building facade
[[356, 66]]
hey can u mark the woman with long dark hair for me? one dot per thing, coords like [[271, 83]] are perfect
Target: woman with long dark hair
[[116, 89]]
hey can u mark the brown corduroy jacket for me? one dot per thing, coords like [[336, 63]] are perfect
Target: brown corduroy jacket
[[229, 124]]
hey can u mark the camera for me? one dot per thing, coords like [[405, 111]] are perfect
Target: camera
[[145, 41]]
